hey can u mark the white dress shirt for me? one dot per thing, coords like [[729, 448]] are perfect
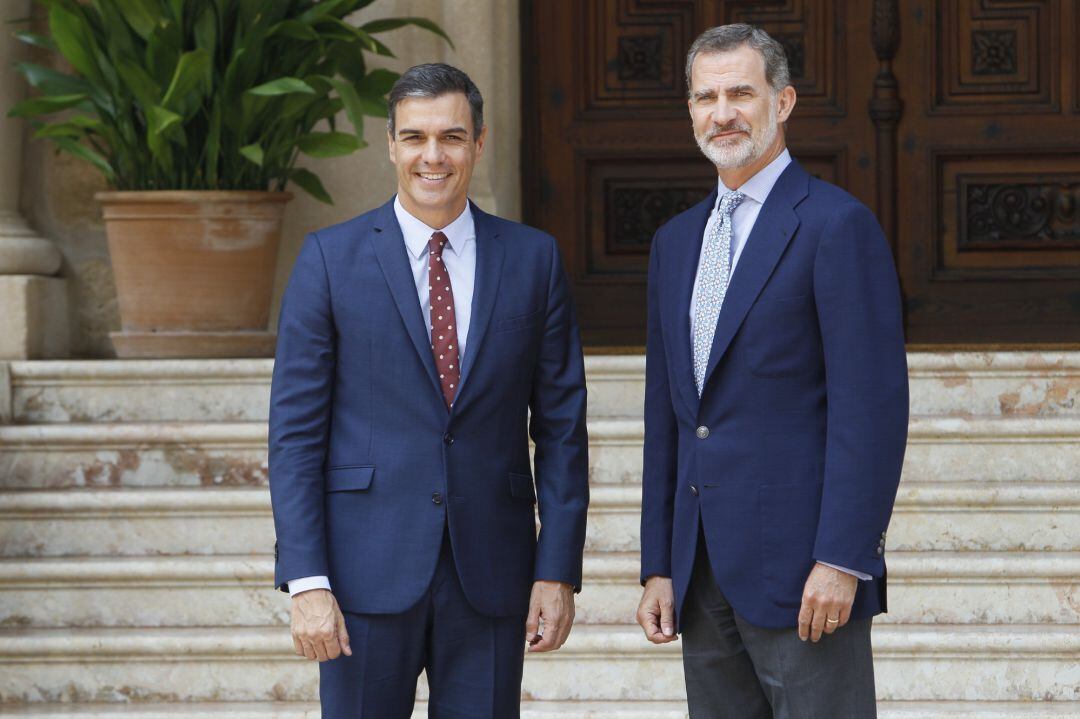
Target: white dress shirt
[[756, 190], [460, 262]]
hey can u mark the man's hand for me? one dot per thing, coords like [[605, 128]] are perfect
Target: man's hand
[[826, 601], [552, 603], [318, 626], [656, 612]]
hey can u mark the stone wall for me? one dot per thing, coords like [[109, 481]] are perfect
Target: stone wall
[[57, 190]]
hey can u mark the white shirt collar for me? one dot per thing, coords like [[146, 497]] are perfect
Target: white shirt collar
[[758, 187], [417, 234]]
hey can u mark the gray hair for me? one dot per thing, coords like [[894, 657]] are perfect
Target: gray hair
[[731, 37], [435, 80]]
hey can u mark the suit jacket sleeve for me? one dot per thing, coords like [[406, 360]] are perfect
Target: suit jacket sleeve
[[300, 401], [859, 313], [557, 426], [661, 441]]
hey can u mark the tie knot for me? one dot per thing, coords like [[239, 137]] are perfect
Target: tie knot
[[730, 201], [437, 243]]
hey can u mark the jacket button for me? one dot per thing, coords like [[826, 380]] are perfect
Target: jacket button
[[448, 438], [693, 490], [703, 432], [880, 550], [436, 498]]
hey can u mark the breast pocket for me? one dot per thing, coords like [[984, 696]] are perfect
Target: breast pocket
[[782, 337], [518, 322]]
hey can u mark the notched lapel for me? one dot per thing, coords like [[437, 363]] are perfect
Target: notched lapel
[[394, 263], [776, 225], [489, 262]]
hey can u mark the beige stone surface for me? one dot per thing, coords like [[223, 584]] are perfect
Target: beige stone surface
[[33, 323], [22, 252], [952, 385], [1042, 449], [986, 663], [120, 558], [1007, 588]]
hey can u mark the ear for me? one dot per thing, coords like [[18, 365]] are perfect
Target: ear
[[785, 103], [480, 142], [390, 146]]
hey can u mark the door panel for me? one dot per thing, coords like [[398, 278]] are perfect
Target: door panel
[[954, 120]]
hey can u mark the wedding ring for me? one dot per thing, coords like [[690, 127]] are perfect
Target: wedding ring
[[832, 621]]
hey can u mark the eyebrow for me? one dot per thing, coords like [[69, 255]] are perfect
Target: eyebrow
[[450, 131], [710, 92]]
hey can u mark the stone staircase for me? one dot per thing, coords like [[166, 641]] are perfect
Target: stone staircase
[[136, 542]]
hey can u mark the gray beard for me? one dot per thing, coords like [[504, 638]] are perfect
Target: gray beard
[[729, 156]]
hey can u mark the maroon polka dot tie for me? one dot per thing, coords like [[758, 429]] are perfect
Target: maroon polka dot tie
[[444, 344]]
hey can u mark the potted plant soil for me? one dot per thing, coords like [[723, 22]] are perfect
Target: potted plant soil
[[196, 112]]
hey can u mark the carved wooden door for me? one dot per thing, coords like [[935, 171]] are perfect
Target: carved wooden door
[[955, 120], [990, 159]]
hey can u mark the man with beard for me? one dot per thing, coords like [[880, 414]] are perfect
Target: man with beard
[[775, 412]]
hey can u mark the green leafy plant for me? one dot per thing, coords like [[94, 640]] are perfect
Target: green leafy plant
[[208, 94]]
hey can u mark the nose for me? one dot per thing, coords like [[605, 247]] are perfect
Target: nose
[[433, 154], [723, 111]]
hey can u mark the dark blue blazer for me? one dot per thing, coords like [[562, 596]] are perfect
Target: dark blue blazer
[[805, 403], [367, 465]]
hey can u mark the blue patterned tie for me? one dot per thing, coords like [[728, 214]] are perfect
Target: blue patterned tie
[[712, 284]]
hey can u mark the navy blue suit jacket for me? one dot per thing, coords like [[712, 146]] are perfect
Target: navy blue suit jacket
[[367, 465], [805, 402]]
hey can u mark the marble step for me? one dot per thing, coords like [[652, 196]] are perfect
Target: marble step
[[942, 383], [982, 663], [529, 710], [234, 453], [941, 516], [193, 591]]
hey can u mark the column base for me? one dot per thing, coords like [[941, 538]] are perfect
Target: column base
[[34, 321]]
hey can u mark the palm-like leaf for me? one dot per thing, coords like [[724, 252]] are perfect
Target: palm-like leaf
[[208, 94]]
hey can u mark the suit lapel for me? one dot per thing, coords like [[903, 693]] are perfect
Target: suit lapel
[[684, 271], [489, 262], [773, 230], [394, 262]]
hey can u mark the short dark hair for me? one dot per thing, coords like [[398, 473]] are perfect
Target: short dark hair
[[434, 80], [731, 37]]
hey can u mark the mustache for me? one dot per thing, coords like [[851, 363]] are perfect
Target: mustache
[[734, 126]]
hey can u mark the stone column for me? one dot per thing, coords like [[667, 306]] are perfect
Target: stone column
[[33, 319], [486, 35]]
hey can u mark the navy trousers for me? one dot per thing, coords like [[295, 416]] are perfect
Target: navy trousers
[[473, 662]]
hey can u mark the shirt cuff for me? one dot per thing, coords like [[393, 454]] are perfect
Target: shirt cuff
[[861, 575], [305, 583]]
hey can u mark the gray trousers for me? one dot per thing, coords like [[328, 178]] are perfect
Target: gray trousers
[[735, 670]]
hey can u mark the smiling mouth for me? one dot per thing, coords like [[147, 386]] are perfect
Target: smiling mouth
[[433, 176]]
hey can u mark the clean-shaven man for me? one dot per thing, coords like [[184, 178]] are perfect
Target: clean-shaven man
[[413, 343], [775, 412]]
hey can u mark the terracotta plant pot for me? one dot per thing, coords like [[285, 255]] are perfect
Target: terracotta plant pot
[[194, 271]]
